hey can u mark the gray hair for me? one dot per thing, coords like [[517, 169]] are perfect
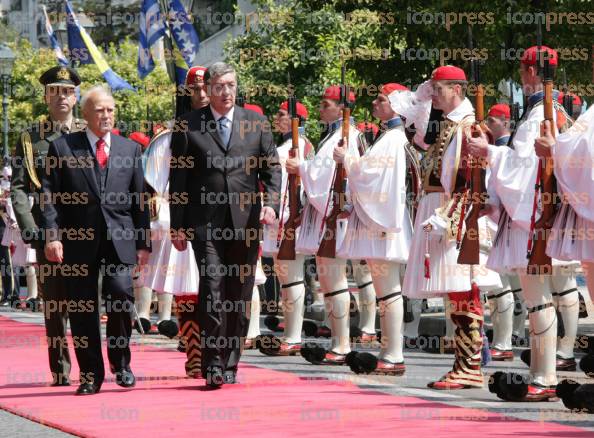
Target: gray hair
[[218, 69], [101, 90]]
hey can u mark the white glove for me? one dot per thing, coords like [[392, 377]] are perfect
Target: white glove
[[435, 226]]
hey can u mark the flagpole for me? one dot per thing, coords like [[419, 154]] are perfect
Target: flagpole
[[76, 109], [168, 44], [148, 111]]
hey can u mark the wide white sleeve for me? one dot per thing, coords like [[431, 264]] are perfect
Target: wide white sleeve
[[156, 163], [515, 170], [377, 183], [573, 157]]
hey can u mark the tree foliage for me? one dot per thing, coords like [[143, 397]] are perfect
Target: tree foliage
[[152, 101], [400, 41]]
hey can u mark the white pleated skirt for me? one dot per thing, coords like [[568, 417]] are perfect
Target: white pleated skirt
[[169, 270], [511, 247], [572, 237], [269, 240], [363, 242], [23, 253], [445, 273], [485, 278], [310, 232]]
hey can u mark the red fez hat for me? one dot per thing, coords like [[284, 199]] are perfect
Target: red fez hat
[[529, 56], [366, 126], [500, 110], [391, 87], [448, 73], [140, 138], [301, 110], [255, 108], [115, 131], [576, 98], [333, 93], [195, 74]]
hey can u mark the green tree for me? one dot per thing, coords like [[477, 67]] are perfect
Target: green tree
[[309, 45], [400, 41], [152, 101]]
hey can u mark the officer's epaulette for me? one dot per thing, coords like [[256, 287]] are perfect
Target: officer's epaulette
[[28, 158], [79, 124]]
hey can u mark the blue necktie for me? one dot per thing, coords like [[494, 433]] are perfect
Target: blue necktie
[[224, 131]]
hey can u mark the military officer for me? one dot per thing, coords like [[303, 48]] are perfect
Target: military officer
[[28, 164]]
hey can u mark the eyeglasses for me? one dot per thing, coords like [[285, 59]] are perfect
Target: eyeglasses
[[217, 89]]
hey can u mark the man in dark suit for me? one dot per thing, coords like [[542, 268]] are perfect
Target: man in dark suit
[[95, 219], [28, 165], [220, 155]]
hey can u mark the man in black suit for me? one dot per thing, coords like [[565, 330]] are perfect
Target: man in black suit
[[220, 155], [95, 219]]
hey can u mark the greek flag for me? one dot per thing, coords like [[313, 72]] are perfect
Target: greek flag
[[53, 40], [152, 27], [77, 32], [183, 34]]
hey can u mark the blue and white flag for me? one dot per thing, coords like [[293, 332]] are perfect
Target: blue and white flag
[[152, 28], [183, 32], [79, 33], [53, 40]]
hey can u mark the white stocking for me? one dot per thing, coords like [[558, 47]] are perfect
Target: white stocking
[[386, 281], [333, 282], [543, 328], [290, 275], [366, 303]]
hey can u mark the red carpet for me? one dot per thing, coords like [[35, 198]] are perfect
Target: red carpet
[[266, 403]]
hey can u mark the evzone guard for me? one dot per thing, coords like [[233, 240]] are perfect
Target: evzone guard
[[518, 179], [379, 227], [320, 181], [573, 155], [289, 265], [439, 230], [506, 319]]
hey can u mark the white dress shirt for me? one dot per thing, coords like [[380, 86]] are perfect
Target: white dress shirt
[[93, 139], [218, 115]]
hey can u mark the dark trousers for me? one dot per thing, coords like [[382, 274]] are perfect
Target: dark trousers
[[118, 295], [227, 269], [55, 309]]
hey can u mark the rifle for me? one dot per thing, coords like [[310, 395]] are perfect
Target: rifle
[[287, 245], [327, 246], [514, 106], [367, 133], [469, 245], [567, 98], [539, 263]]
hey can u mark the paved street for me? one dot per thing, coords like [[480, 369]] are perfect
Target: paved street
[[421, 368]]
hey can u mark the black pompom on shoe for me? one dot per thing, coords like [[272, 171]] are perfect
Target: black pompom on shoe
[[168, 328]]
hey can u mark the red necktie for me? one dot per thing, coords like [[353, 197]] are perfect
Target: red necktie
[[101, 155]]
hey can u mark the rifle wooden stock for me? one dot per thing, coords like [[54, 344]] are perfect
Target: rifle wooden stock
[[328, 244], [286, 250], [470, 248], [539, 262]]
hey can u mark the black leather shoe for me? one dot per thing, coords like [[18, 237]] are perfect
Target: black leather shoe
[[125, 378], [230, 377], [87, 389], [215, 377]]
